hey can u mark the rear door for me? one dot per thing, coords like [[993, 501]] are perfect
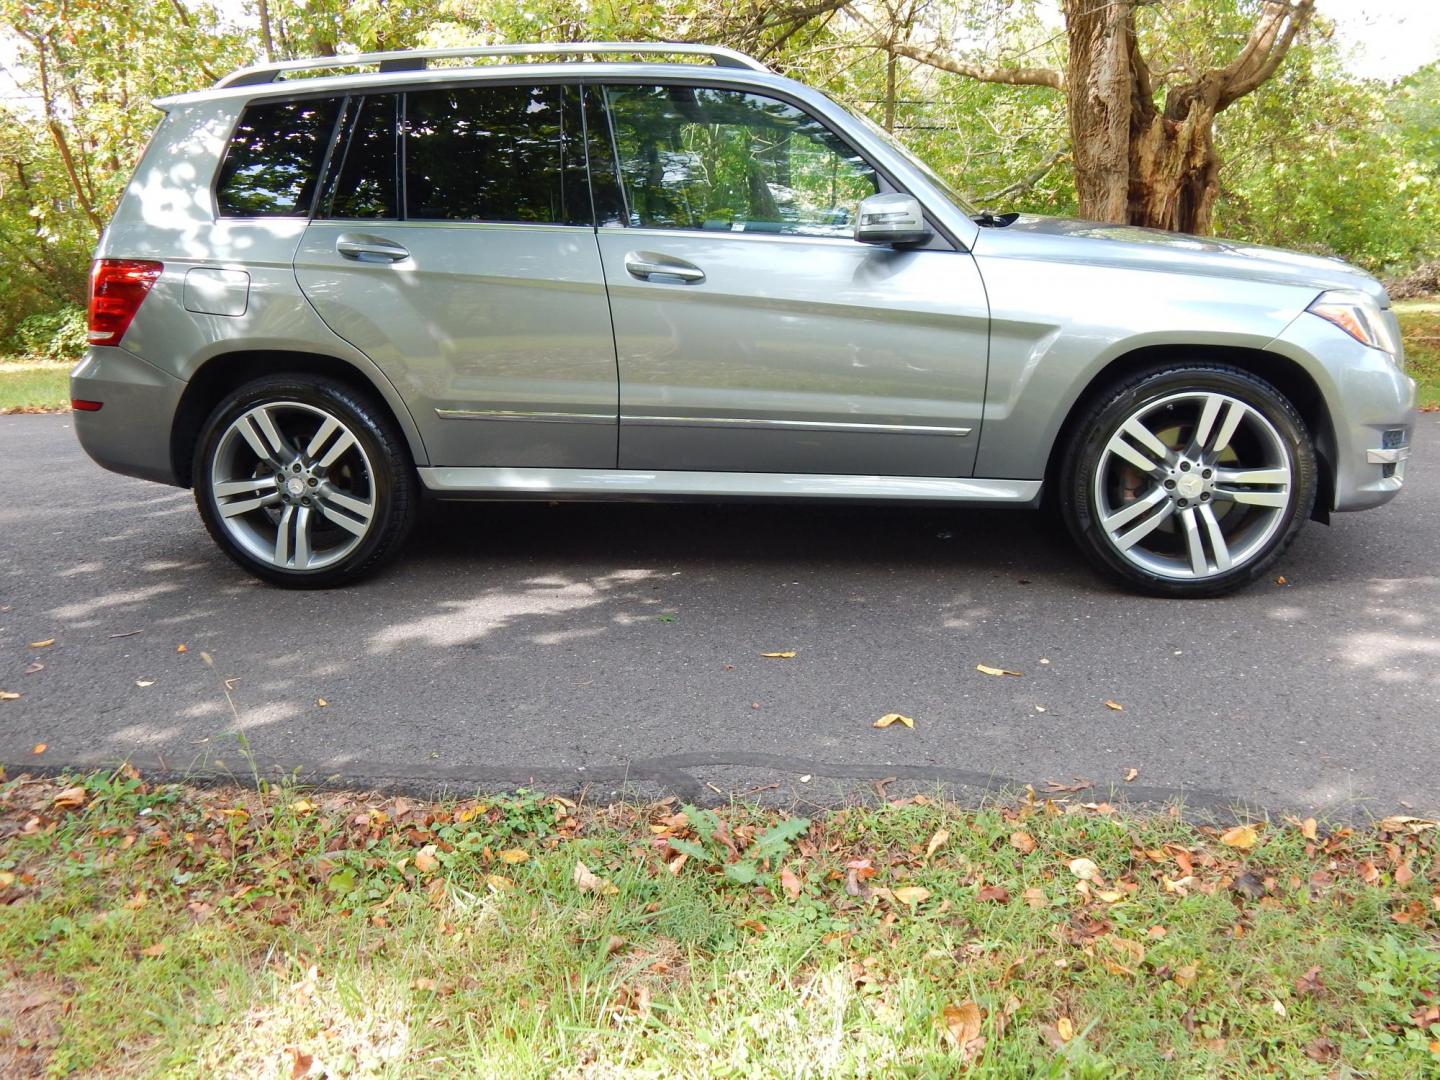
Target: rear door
[[753, 332], [454, 245]]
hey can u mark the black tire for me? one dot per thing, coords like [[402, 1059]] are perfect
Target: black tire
[[392, 486], [1157, 388]]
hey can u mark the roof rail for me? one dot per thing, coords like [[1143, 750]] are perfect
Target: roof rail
[[419, 59]]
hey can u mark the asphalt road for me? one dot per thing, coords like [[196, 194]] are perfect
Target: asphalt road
[[618, 647]]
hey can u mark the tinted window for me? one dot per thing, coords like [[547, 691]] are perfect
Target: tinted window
[[365, 182], [695, 158], [496, 153], [273, 162]]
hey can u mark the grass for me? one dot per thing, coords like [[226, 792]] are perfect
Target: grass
[[1420, 328], [29, 386], [168, 931]]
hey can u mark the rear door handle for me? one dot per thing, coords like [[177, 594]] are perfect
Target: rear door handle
[[363, 248], [648, 264]]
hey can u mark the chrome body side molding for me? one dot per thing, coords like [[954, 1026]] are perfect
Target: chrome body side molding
[[520, 483], [761, 424]]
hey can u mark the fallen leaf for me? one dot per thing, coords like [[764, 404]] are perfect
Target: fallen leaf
[[912, 894], [962, 1022], [1243, 837], [39, 746], [302, 806], [1084, 869], [1185, 975], [498, 882], [893, 718], [158, 949], [9, 695], [1310, 983], [425, 860], [1322, 1050], [299, 1062], [321, 702], [1115, 705], [1022, 842], [1412, 825], [42, 644], [1131, 774], [31, 670], [144, 682], [182, 648], [1403, 874], [1065, 1028], [789, 882], [936, 842], [1281, 580], [985, 669], [136, 902], [1309, 828], [585, 881], [1278, 1006], [513, 856], [70, 799], [993, 894], [788, 654], [1369, 873], [1035, 897], [1247, 884]]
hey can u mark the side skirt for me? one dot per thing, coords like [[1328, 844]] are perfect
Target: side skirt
[[583, 484]]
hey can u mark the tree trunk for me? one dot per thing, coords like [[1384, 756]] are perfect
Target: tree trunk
[[1098, 85], [1175, 168]]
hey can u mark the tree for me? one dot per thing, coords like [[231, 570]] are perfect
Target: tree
[[1141, 135]]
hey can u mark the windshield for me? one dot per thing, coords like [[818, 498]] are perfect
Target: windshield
[[925, 170]]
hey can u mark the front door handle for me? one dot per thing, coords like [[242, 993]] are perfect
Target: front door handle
[[648, 264], [363, 248]]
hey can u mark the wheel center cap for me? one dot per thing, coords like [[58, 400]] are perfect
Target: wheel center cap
[[295, 486], [1189, 486]]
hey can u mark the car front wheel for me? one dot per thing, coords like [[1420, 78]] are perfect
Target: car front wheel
[[1188, 480], [304, 482]]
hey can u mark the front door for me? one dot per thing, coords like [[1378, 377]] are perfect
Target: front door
[[455, 247], [753, 332]]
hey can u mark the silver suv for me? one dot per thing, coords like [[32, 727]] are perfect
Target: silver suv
[[323, 297]]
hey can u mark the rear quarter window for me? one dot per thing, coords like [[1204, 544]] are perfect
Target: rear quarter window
[[273, 162]]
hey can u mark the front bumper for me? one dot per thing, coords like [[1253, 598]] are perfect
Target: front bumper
[[1371, 404], [130, 433]]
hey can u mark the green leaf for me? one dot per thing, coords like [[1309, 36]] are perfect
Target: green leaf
[[742, 873], [689, 847]]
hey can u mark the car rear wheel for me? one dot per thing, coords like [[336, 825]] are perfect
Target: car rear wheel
[[304, 482], [1188, 480]]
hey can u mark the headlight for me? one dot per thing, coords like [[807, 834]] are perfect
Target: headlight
[[1359, 316]]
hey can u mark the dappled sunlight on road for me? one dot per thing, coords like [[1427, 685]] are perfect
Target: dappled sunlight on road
[[463, 622]]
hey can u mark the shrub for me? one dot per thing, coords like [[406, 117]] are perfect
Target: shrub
[[53, 335]]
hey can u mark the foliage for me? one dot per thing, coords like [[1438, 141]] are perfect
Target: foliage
[[154, 929], [53, 335]]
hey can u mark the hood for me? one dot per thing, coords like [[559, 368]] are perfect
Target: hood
[[1053, 239]]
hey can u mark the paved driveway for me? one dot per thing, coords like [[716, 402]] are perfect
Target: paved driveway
[[605, 646]]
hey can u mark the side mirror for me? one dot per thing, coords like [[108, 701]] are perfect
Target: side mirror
[[891, 219]]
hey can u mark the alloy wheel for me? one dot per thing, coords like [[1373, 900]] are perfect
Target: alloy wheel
[[1193, 485], [293, 486]]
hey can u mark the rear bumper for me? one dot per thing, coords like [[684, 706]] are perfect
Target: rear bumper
[[130, 433], [1371, 403]]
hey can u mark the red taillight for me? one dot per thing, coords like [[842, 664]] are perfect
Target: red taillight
[[117, 286], [81, 405]]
